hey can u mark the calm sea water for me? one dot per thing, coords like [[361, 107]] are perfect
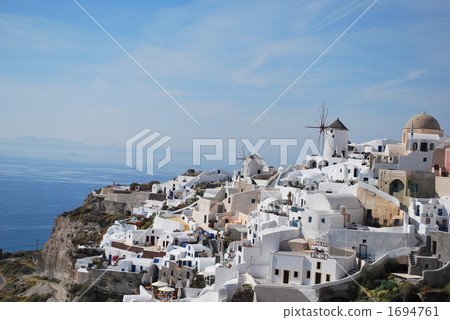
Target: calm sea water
[[34, 191]]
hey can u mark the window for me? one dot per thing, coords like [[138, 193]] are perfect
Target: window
[[396, 222], [414, 146], [423, 146], [439, 212], [309, 219], [431, 146], [319, 265], [328, 277], [253, 200], [385, 221], [364, 240], [277, 272], [295, 274], [205, 218], [414, 187], [308, 274], [323, 220], [424, 159]]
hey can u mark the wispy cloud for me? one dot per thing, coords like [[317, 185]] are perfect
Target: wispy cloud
[[225, 59], [393, 82]]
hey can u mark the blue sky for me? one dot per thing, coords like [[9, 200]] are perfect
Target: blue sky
[[61, 76]]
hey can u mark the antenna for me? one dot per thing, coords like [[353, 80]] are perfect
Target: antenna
[[322, 125]]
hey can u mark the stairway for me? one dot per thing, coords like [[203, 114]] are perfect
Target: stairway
[[412, 260], [213, 246]]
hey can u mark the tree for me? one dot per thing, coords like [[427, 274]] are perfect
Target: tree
[[134, 185], [151, 183], [289, 201]]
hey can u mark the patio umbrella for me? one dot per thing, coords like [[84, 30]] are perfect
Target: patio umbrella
[[166, 289], [179, 286], [159, 283]]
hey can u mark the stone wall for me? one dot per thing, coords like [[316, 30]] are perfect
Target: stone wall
[[443, 186], [437, 278], [440, 245], [379, 208]]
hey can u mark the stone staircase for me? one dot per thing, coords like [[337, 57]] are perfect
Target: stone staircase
[[412, 257]]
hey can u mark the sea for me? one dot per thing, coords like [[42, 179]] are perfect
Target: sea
[[33, 191]]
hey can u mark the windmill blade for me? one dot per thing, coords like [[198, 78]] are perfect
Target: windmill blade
[[243, 156], [322, 125]]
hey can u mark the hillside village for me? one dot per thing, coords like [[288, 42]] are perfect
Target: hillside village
[[288, 234]]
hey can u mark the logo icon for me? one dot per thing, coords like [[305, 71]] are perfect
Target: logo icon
[[141, 150]]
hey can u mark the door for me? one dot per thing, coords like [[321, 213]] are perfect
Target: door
[[318, 277], [133, 268], [285, 276]]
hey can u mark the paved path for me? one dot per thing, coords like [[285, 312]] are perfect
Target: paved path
[[2, 281]]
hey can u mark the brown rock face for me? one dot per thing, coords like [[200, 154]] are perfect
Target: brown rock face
[[59, 253], [84, 225]]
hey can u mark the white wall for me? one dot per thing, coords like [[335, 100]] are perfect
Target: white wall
[[337, 143], [378, 243], [316, 228], [415, 161], [294, 261]]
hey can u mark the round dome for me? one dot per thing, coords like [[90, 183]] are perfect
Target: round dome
[[423, 121]]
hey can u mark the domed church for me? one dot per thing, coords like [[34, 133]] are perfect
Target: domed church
[[421, 123]]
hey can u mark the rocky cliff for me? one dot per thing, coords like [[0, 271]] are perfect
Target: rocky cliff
[[84, 225], [60, 251]]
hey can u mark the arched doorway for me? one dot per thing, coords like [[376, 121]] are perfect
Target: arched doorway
[[323, 163], [311, 164], [397, 189], [153, 273]]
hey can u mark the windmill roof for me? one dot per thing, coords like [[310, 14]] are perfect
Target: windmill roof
[[255, 156], [337, 124]]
